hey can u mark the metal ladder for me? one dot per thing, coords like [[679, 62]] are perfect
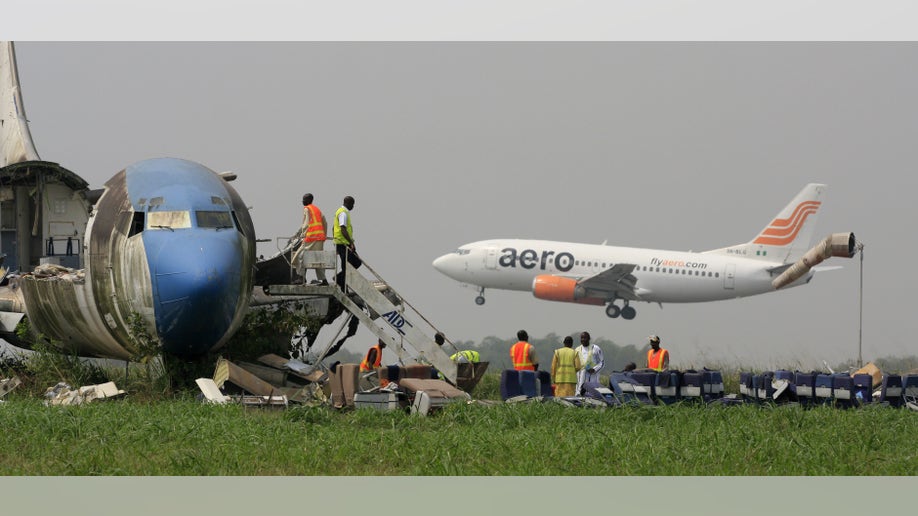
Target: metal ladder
[[387, 313]]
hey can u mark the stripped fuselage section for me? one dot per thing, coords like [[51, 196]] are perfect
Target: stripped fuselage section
[[169, 240]]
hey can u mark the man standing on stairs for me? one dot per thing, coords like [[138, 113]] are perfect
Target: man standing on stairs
[[313, 230], [344, 240]]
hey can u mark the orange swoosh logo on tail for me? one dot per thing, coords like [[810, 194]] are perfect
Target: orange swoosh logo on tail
[[783, 231]]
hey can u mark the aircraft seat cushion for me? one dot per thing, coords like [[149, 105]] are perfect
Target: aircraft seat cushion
[[528, 383], [434, 388], [544, 378], [510, 384]]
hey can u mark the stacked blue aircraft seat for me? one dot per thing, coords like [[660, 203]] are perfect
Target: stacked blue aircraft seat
[[805, 385], [843, 390], [632, 391], [623, 385], [822, 389], [615, 387], [528, 384], [765, 388], [667, 387], [644, 386], [863, 388], [910, 390], [753, 388], [544, 378], [712, 384], [747, 386], [891, 390], [510, 384], [785, 388], [596, 391], [757, 393], [691, 388]]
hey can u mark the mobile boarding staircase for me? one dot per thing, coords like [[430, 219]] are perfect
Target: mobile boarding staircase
[[384, 308]]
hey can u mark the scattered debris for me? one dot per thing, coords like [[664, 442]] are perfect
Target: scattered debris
[[261, 401], [212, 393], [227, 371], [430, 395], [294, 367], [261, 385], [275, 377], [8, 384], [382, 400], [63, 394]]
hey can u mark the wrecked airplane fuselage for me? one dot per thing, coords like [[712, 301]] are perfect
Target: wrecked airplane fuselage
[[168, 239]]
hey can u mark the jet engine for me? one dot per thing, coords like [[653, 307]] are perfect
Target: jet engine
[[558, 288], [836, 244]]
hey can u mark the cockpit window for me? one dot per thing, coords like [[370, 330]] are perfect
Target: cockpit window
[[461, 252], [214, 219], [168, 219]]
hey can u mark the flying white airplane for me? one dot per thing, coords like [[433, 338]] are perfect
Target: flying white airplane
[[601, 274]]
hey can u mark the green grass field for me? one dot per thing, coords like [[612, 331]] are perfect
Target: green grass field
[[185, 437]]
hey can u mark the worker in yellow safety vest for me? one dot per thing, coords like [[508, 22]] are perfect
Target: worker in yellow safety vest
[[343, 234], [657, 357], [373, 358], [314, 229], [564, 366], [468, 355], [522, 354]]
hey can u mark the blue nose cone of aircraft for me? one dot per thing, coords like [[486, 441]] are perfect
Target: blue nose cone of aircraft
[[196, 288]]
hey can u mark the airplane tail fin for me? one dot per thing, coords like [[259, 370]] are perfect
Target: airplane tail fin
[[15, 139], [789, 235]]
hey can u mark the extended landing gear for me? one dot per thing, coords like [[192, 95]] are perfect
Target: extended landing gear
[[480, 299], [627, 312]]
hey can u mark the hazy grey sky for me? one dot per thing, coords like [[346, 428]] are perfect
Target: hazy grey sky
[[682, 146]]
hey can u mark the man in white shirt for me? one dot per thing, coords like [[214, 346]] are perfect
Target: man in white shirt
[[592, 360]]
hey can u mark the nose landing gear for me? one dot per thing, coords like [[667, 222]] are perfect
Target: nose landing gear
[[480, 300]]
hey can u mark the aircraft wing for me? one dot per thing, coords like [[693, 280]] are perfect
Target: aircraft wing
[[617, 281]]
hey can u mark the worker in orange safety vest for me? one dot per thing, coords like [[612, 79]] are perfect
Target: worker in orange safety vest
[[657, 357], [314, 229], [373, 358], [522, 354]]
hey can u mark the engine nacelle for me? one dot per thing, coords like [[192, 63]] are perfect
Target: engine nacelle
[[558, 288], [837, 244]]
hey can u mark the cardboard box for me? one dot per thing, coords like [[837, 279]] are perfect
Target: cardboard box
[[343, 385], [873, 371]]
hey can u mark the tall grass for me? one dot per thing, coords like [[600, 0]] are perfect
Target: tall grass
[[156, 431], [185, 437]]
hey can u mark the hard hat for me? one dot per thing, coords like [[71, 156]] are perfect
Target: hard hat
[[654, 339]]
